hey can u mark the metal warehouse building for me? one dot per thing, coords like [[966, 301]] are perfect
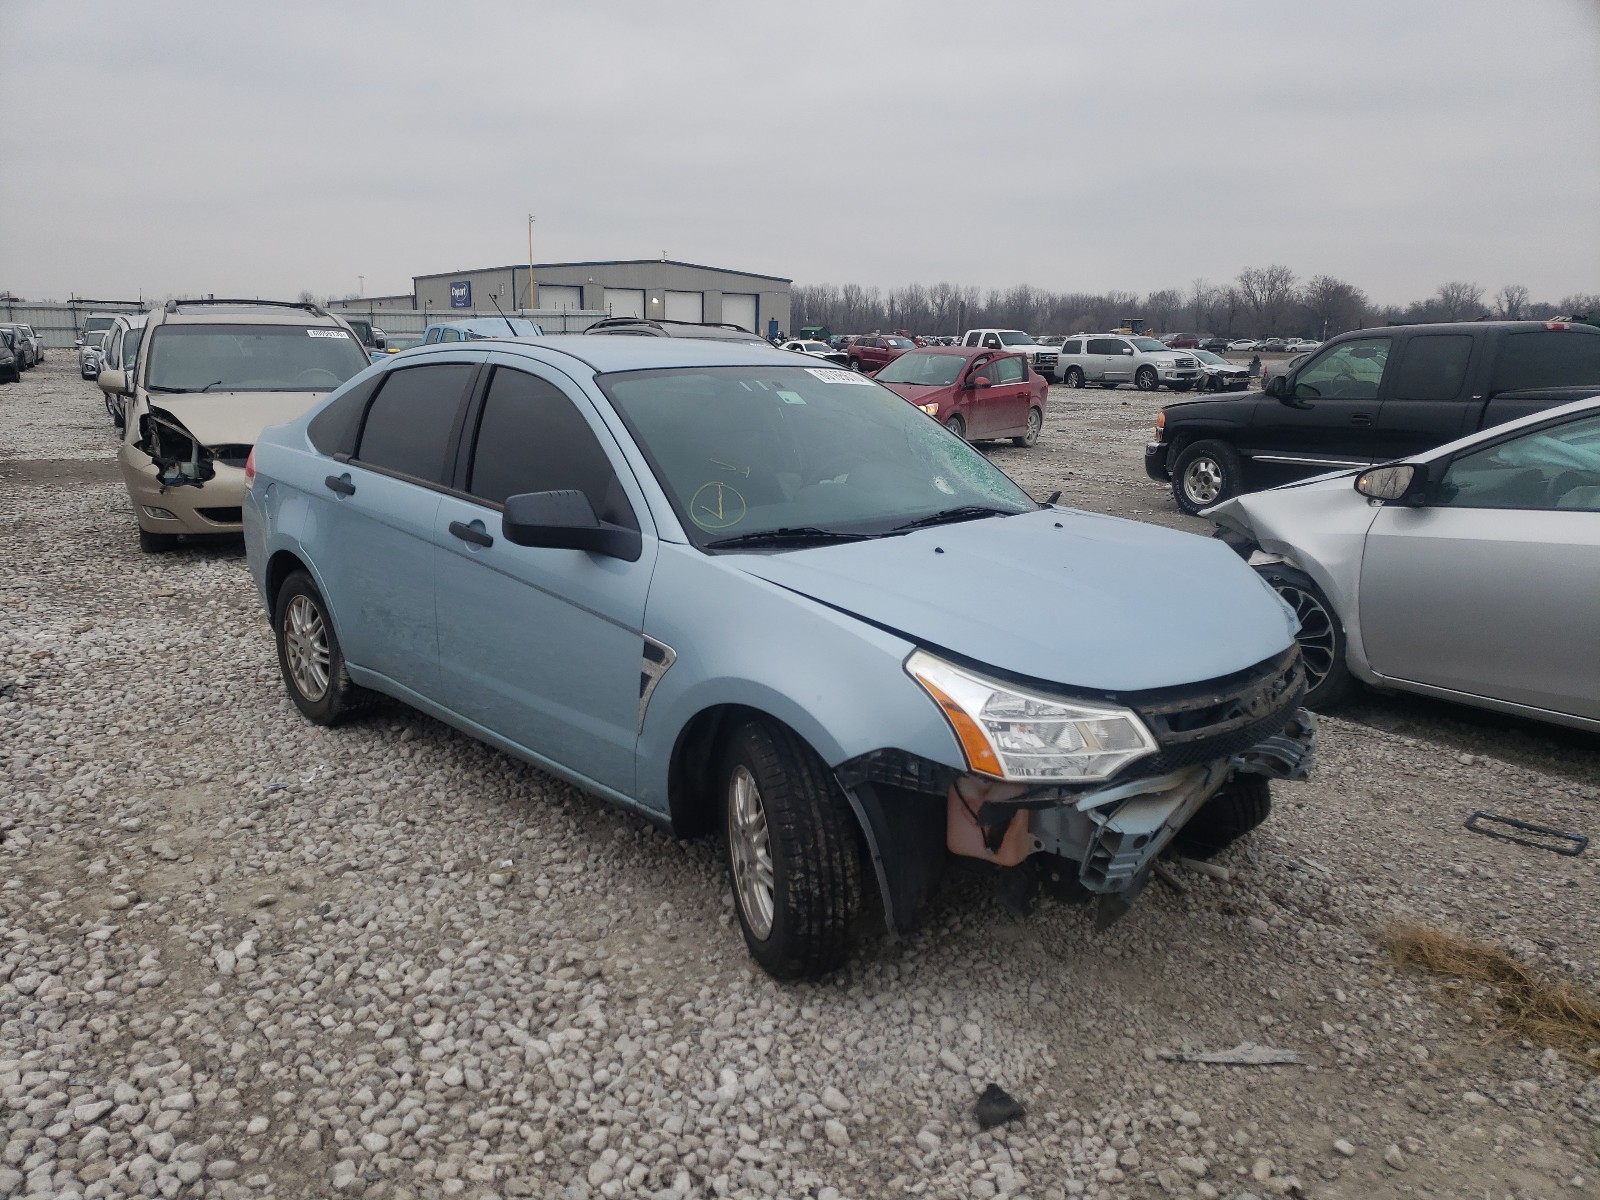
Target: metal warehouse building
[[642, 287]]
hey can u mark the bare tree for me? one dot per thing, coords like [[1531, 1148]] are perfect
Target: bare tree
[[1202, 303], [1511, 300], [1332, 305], [1459, 301], [1268, 293], [1580, 304], [1160, 307]]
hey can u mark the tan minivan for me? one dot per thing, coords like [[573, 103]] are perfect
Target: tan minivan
[[207, 377]]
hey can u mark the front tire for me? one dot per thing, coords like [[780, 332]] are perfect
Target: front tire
[[1145, 379], [1241, 804], [1206, 473], [855, 364], [1074, 378], [957, 426], [309, 657], [793, 859], [1035, 423], [1321, 637]]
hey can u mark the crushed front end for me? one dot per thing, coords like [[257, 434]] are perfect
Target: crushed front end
[[1180, 769], [179, 484]]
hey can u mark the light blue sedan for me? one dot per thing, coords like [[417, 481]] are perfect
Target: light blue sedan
[[739, 593]]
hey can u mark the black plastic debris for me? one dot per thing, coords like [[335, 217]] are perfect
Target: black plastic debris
[[1542, 837], [997, 1106]]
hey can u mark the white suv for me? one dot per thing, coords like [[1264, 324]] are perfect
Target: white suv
[[1041, 358], [1113, 358]]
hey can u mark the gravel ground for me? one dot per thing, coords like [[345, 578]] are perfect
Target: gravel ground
[[244, 956]]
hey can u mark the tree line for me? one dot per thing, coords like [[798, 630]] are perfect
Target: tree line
[[1259, 302]]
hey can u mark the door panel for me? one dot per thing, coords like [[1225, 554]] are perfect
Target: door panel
[[1493, 602], [1335, 407]]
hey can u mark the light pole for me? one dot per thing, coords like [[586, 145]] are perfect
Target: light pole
[[530, 262], [361, 285]]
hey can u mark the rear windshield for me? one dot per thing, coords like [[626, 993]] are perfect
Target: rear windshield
[[96, 325], [251, 358], [1543, 358]]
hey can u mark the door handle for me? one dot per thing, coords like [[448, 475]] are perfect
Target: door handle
[[1361, 418], [340, 484], [468, 533]]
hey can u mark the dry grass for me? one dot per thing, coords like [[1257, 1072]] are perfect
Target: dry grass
[[1551, 1012]]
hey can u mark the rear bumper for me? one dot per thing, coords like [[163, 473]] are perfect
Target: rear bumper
[[1155, 461]]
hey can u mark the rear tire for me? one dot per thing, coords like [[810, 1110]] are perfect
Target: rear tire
[[1206, 473], [157, 543], [1323, 647], [1074, 378], [855, 364], [309, 656], [793, 857], [1238, 807], [1146, 380], [1035, 423], [957, 426]]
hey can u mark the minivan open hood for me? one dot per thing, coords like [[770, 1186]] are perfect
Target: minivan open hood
[[232, 418], [1057, 595]]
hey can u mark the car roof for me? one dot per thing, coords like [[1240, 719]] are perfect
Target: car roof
[[244, 314], [621, 353], [969, 351]]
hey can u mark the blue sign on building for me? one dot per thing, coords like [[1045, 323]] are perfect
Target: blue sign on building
[[461, 293]]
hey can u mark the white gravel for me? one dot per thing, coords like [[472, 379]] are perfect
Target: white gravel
[[244, 956]]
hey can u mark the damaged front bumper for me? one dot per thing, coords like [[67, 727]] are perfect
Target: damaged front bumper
[[1100, 842], [178, 485]]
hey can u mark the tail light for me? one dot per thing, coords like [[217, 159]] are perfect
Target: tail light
[[1556, 325], [250, 467]]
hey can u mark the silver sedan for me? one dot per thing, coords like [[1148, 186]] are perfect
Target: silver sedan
[[1470, 572]]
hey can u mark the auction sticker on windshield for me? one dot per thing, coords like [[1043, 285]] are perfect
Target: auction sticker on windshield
[[838, 375], [334, 333]]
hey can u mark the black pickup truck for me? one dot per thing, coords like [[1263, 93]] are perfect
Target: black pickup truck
[[1369, 396]]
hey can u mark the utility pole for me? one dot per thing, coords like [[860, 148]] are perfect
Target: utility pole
[[530, 263], [361, 285]]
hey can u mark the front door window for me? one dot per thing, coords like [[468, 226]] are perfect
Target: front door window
[[1350, 371], [1548, 469]]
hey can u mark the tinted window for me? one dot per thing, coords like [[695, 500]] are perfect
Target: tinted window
[[1104, 346], [333, 430], [1552, 468], [1434, 367], [408, 426], [1546, 358], [532, 439], [1072, 347], [1009, 370]]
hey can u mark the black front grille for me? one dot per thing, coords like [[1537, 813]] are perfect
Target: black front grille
[[222, 516], [1220, 717]]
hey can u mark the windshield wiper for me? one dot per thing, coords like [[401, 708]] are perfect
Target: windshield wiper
[[790, 533], [211, 385], [947, 516]]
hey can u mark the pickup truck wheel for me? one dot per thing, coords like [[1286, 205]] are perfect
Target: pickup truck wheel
[[1074, 378], [309, 656], [1030, 439], [1206, 473], [1321, 636], [792, 852], [1238, 807], [957, 426], [1145, 379]]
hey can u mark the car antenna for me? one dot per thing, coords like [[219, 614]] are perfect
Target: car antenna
[[502, 313], [1054, 496]]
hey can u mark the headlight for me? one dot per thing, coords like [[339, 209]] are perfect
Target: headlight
[[1009, 732], [931, 409]]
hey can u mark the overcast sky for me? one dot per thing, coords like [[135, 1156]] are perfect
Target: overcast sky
[[259, 149]]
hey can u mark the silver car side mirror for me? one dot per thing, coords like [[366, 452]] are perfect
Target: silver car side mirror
[[1388, 483]]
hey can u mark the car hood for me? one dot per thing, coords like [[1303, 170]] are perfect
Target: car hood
[[232, 418], [918, 393], [1061, 596]]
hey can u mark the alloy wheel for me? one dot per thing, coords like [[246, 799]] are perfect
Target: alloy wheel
[[1317, 636], [305, 645], [1202, 481], [750, 850]]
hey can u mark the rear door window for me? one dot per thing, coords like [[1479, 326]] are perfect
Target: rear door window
[[1541, 358], [408, 425], [1433, 367], [532, 438]]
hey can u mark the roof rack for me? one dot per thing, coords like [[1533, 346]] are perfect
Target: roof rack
[[654, 323], [173, 306]]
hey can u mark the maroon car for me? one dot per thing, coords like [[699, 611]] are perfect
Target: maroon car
[[873, 350], [978, 393]]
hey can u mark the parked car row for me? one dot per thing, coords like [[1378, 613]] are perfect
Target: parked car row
[[26, 347]]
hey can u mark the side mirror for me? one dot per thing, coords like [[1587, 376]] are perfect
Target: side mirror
[[1278, 386], [1399, 483], [115, 382], [78, 343], [980, 381], [565, 520]]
